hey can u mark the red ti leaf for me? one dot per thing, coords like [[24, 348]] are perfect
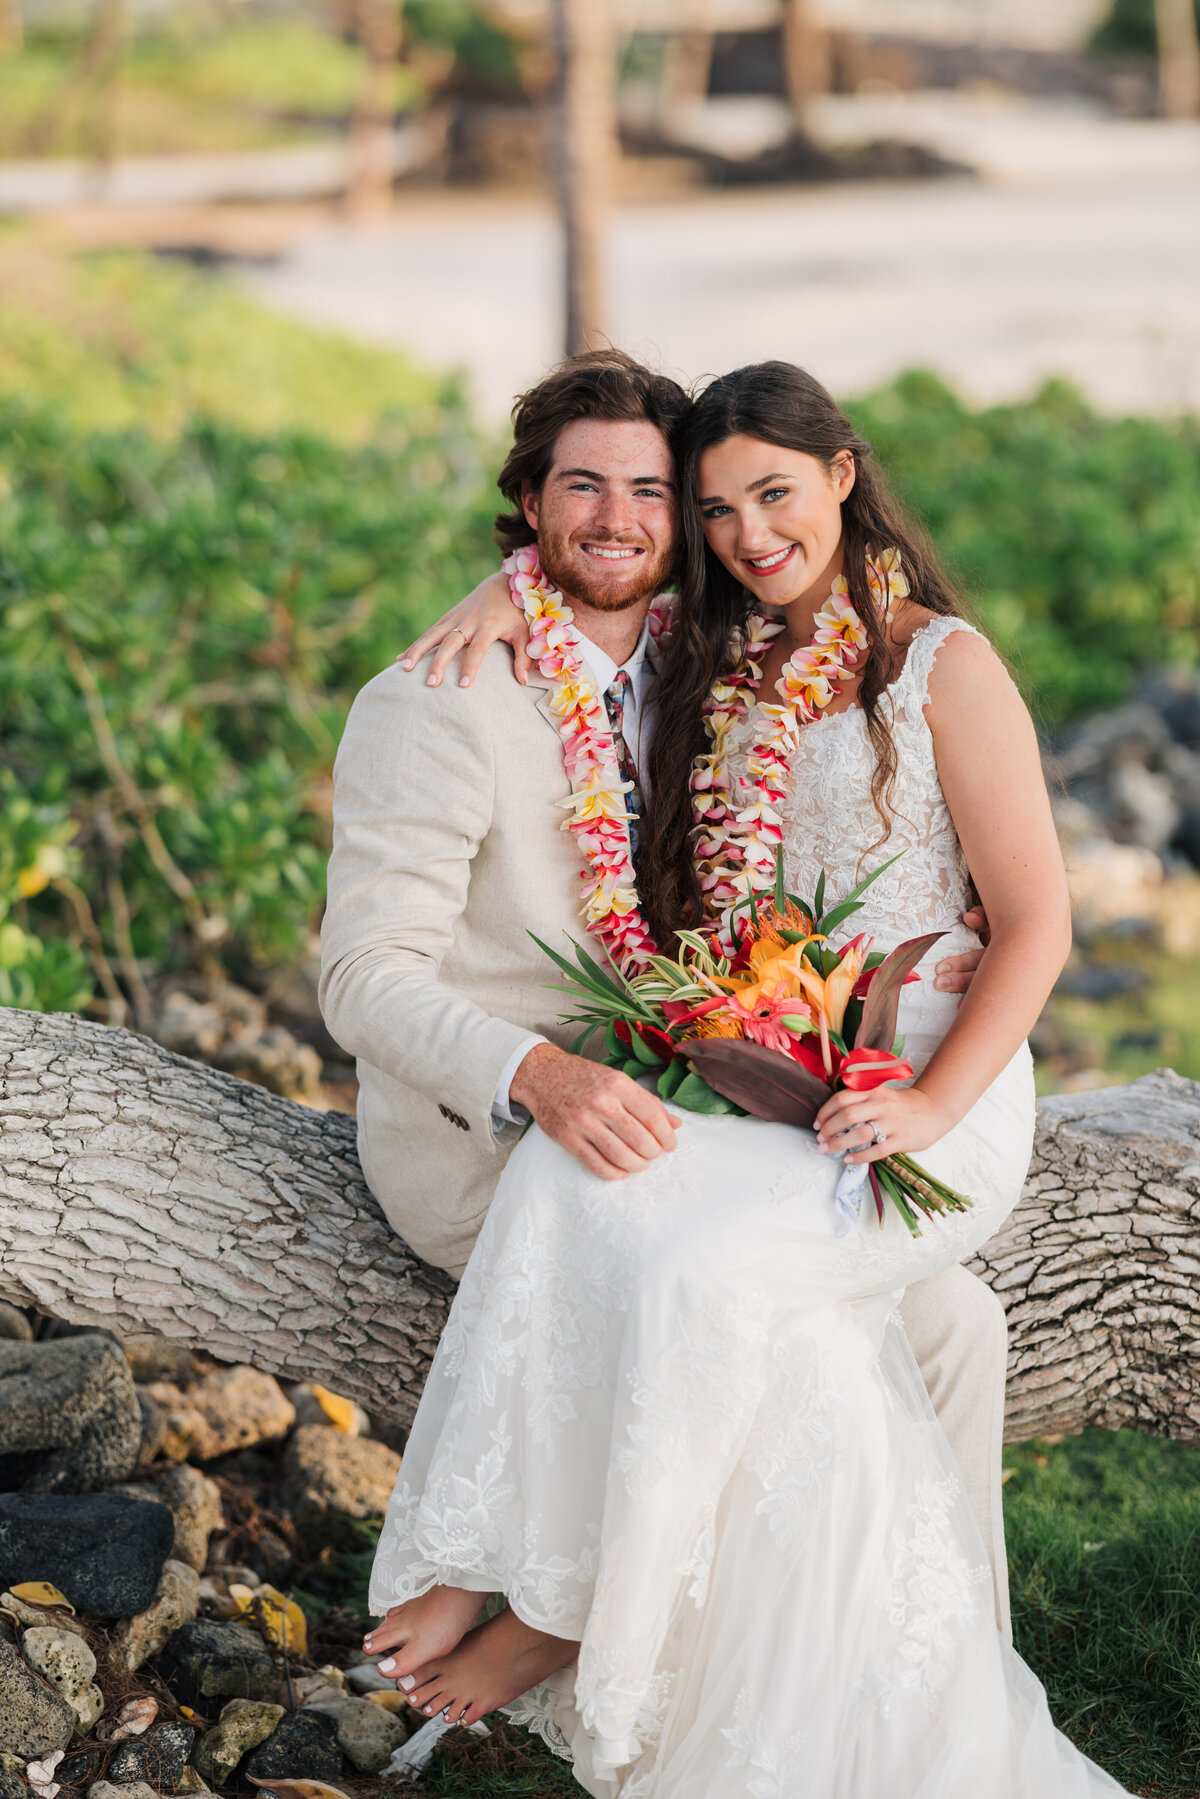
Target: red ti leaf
[[878, 1027], [768, 1085]]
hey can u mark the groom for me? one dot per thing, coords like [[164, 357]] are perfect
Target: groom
[[447, 852]]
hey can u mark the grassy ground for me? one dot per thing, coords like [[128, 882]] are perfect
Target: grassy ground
[[1104, 1547]]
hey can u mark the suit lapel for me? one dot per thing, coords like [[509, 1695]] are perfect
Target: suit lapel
[[540, 689]]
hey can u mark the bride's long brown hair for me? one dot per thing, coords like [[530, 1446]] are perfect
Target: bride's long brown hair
[[784, 405]]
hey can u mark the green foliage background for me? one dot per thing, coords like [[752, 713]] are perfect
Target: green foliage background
[[215, 526]]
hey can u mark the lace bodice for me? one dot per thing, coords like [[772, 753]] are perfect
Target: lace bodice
[[830, 822]]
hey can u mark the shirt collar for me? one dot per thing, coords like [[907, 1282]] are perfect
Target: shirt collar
[[604, 668]]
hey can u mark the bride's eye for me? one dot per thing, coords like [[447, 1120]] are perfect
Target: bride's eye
[[714, 512], [775, 493]]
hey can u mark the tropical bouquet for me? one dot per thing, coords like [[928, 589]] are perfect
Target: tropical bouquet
[[773, 1031]]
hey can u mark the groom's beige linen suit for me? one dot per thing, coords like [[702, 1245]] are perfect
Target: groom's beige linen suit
[[447, 852]]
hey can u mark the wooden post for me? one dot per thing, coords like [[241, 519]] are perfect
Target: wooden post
[[586, 157], [11, 29], [369, 193], [806, 49], [1178, 58]]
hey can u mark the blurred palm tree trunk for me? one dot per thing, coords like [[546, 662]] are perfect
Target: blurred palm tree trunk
[[11, 31], [369, 194], [806, 55], [1178, 58], [586, 157]]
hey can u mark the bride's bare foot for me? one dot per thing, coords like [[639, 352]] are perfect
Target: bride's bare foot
[[493, 1664], [423, 1630]]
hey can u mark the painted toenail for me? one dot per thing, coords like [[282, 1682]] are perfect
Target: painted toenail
[[408, 1682], [387, 1664]]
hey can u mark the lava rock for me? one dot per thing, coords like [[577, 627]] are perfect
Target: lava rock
[[13, 1784], [367, 1734], [317, 1405], [158, 1358], [79, 1768], [230, 1408], [207, 1660], [242, 1726], [69, 1415], [176, 1602], [158, 1758], [303, 1747], [67, 1662], [270, 1558], [14, 1324], [38, 1615], [1099, 981], [105, 1551], [107, 1789], [330, 1479], [154, 1428], [34, 1719], [366, 1678], [195, 1502]]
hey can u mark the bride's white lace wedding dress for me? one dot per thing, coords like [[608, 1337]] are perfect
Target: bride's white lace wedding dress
[[675, 1417]]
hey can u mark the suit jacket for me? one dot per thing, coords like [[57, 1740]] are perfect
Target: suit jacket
[[446, 853]]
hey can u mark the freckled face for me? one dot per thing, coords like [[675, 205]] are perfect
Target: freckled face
[[607, 514], [773, 516]]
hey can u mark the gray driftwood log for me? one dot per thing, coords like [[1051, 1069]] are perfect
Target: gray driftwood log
[[147, 1193]]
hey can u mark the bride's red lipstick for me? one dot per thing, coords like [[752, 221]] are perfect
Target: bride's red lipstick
[[775, 567]]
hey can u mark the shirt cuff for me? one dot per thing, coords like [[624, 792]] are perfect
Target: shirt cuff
[[505, 1111]]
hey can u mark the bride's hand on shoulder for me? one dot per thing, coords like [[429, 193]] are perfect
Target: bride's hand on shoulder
[[879, 1122], [485, 617]]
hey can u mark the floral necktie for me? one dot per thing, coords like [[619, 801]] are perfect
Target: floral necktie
[[614, 700]]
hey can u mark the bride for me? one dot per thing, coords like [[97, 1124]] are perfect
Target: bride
[[674, 1419]]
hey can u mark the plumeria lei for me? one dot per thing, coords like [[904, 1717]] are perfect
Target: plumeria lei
[[735, 842]]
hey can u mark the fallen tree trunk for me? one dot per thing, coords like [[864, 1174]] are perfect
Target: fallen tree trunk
[[147, 1193]]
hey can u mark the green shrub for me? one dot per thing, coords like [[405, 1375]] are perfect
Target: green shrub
[[1078, 537], [182, 628]]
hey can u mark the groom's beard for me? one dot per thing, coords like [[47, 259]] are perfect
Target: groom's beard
[[574, 576]]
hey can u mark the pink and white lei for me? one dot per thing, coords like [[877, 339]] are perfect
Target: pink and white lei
[[734, 842]]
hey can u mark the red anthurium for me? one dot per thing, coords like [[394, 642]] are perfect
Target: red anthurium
[[624, 1034], [806, 1051], [863, 1069], [657, 1040]]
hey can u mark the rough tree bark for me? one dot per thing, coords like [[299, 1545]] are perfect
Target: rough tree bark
[[144, 1192]]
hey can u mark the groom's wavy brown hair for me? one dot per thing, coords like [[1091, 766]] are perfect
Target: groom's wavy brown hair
[[598, 384]]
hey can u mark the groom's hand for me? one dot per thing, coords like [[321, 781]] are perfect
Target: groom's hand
[[955, 974], [609, 1123]]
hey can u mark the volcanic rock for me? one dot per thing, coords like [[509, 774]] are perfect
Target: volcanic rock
[[69, 1415], [67, 1662], [207, 1660], [195, 1502], [303, 1747], [330, 1479], [366, 1733], [176, 1602], [34, 1719], [105, 1551], [242, 1726], [158, 1758]]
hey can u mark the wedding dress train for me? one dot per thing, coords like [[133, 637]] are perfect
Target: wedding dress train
[[675, 1417]]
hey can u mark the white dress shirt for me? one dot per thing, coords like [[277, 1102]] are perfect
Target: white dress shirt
[[637, 722]]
